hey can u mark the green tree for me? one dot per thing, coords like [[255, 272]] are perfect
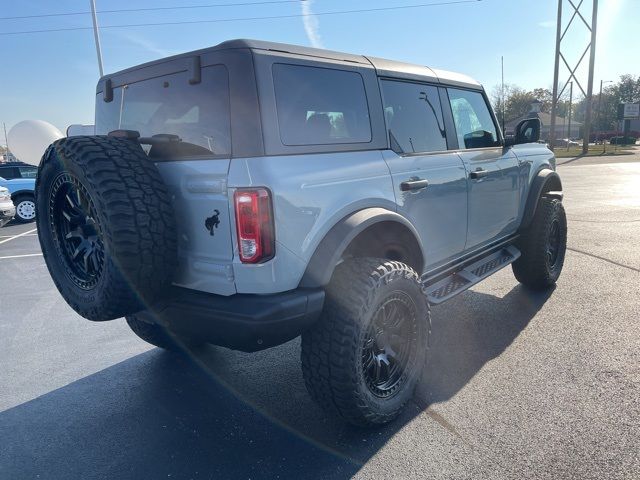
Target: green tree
[[605, 112], [517, 101], [628, 89]]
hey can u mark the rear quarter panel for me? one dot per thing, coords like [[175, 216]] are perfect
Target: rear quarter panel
[[310, 193]]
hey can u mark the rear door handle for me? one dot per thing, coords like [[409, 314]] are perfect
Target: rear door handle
[[479, 173], [413, 185]]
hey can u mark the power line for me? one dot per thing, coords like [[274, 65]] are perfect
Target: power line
[[151, 9], [241, 19]]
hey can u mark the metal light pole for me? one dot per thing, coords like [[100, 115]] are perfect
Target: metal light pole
[[503, 107], [96, 35], [6, 139], [604, 142]]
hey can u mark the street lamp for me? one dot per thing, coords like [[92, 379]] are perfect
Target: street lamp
[[604, 142]]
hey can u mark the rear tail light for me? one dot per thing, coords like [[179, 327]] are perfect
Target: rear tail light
[[254, 225]]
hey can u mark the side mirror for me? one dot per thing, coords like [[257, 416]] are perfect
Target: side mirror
[[527, 131]]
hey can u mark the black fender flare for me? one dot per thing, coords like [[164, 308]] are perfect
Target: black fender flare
[[337, 240], [546, 183]]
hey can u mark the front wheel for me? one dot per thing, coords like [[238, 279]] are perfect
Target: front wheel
[[364, 356], [543, 246], [25, 208]]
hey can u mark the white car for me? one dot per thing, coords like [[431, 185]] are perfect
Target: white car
[[7, 209], [566, 142]]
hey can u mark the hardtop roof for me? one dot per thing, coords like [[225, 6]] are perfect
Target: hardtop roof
[[390, 68]]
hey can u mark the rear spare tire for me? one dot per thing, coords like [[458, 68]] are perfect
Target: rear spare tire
[[105, 224]]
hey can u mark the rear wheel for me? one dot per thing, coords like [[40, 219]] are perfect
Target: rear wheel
[[25, 208], [364, 356], [543, 246]]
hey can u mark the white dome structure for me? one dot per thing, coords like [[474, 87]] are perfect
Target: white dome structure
[[29, 139]]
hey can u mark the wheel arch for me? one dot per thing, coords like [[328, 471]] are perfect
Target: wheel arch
[[23, 193], [546, 183], [371, 232]]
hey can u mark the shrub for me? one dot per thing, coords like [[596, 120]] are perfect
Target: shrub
[[623, 140]]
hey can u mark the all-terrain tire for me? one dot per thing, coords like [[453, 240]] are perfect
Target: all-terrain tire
[[25, 208], [543, 246], [333, 349], [158, 335], [121, 214]]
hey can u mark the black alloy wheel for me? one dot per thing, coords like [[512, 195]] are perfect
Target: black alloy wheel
[[364, 356], [77, 232], [388, 344], [543, 246], [553, 243]]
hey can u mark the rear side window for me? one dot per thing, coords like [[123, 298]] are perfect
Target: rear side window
[[28, 172], [414, 117], [320, 106], [198, 114], [473, 121]]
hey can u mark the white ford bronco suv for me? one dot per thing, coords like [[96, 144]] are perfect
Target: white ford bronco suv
[[246, 194]]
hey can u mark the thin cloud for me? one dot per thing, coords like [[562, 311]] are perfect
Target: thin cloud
[[547, 24], [311, 24], [146, 44]]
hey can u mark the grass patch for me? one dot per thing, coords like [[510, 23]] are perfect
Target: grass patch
[[594, 151]]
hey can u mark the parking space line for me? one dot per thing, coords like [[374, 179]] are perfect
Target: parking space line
[[16, 236], [21, 256], [35, 235]]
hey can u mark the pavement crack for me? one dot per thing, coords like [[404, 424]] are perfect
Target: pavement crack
[[445, 424], [604, 259]]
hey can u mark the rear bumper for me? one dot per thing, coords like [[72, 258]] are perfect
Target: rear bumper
[[242, 321]]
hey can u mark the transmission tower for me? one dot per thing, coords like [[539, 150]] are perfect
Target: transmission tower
[[576, 17]]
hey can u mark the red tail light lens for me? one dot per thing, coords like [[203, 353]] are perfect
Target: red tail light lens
[[254, 225]]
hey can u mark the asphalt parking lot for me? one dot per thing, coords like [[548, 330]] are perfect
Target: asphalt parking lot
[[519, 385]]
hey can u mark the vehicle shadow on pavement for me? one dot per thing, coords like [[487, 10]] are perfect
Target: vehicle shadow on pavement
[[164, 415], [469, 331]]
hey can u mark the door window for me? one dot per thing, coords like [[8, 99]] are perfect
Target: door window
[[9, 173], [474, 124], [414, 117], [320, 106]]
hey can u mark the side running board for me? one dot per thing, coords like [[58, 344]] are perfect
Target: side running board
[[468, 276]]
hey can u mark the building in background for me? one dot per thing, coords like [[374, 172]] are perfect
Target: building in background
[[562, 124]]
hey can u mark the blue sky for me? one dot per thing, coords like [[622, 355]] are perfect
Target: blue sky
[[51, 76]]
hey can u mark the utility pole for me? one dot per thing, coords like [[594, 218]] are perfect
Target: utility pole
[[96, 35], [604, 142], [592, 59], [569, 113], [591, 48], [556, 73]]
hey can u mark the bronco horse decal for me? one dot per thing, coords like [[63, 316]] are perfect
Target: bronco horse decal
[[212, 222]]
